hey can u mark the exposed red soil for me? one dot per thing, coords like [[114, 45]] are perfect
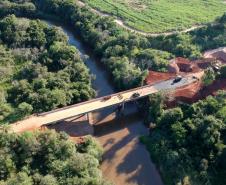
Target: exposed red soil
[[155, 77], [183, 65], [213, 88], [190, 93], [195, 92], [186, 65]]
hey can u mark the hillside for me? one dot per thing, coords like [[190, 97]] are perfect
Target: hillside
[[162, 15]]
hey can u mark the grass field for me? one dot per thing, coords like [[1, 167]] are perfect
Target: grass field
[[158, 16]]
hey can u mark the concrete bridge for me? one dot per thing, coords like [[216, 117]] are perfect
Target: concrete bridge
[[36, 121]]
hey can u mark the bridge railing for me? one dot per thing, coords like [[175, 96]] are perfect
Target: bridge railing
[[97, 99]]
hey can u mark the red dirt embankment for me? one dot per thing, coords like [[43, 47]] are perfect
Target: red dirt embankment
[[213, 88], [196, 91], [190, 93], [155, 77]]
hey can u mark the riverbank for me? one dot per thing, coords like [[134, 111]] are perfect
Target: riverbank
[[131, 156]]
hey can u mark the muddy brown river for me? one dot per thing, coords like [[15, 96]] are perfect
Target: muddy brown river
[[125, 160]]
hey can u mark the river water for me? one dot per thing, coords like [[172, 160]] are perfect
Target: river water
[[125, 160]]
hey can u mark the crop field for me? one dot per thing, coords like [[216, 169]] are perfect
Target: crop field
[[157, 16]]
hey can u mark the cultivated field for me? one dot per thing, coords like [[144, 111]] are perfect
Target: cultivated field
[[158, 16]]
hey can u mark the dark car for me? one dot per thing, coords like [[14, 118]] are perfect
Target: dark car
[[106, 98], [177, 79], [135, 95]]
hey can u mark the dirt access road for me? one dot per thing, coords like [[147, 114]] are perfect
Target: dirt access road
[[121, 23]]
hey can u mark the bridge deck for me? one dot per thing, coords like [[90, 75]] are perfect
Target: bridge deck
[[36, 121]]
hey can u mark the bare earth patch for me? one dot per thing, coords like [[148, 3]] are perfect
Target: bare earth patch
[[136, 4]]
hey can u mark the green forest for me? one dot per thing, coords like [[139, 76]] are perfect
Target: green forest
[[48, 158], [117, 48], [39, 70], [188, 143]]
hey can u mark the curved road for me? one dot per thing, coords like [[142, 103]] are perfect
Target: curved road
[[121, 23]]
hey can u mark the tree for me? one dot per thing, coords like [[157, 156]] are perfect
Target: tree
[[5, 111], [156, 105], [125, 74], [8, 30], [223, 72], [36, 34], [171, 116], [24, 109], [91, 147], [179, 134], [20, 179], [43, 72], [48, 158], [62, 55], [208, 77], [55, 34], [191, 141], [44, 180], [153, 59], [7, 166]]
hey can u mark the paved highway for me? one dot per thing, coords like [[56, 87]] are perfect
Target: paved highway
[[36, 121]]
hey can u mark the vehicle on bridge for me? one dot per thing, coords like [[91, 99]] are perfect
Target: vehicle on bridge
[[106, 98], [135, 95], [120, 96]]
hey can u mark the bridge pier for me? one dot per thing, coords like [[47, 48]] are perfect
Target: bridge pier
[[90, 118]]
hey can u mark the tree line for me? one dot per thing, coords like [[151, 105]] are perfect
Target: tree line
[[39, 70], [189, 142], [48, 158], [126, 55], [118, 50]]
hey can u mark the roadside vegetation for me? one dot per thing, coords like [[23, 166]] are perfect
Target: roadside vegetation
[[192, 44], [117, 48], [162, 15], [39, 70], [126, 56], [188, 142], [48, 158]]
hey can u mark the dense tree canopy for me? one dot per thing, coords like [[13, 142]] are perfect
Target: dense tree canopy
[[189, 142], [112, 43], [153, 59], [208, 77], [40, 71], [108, 42], [192, 44], [48, 158]]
